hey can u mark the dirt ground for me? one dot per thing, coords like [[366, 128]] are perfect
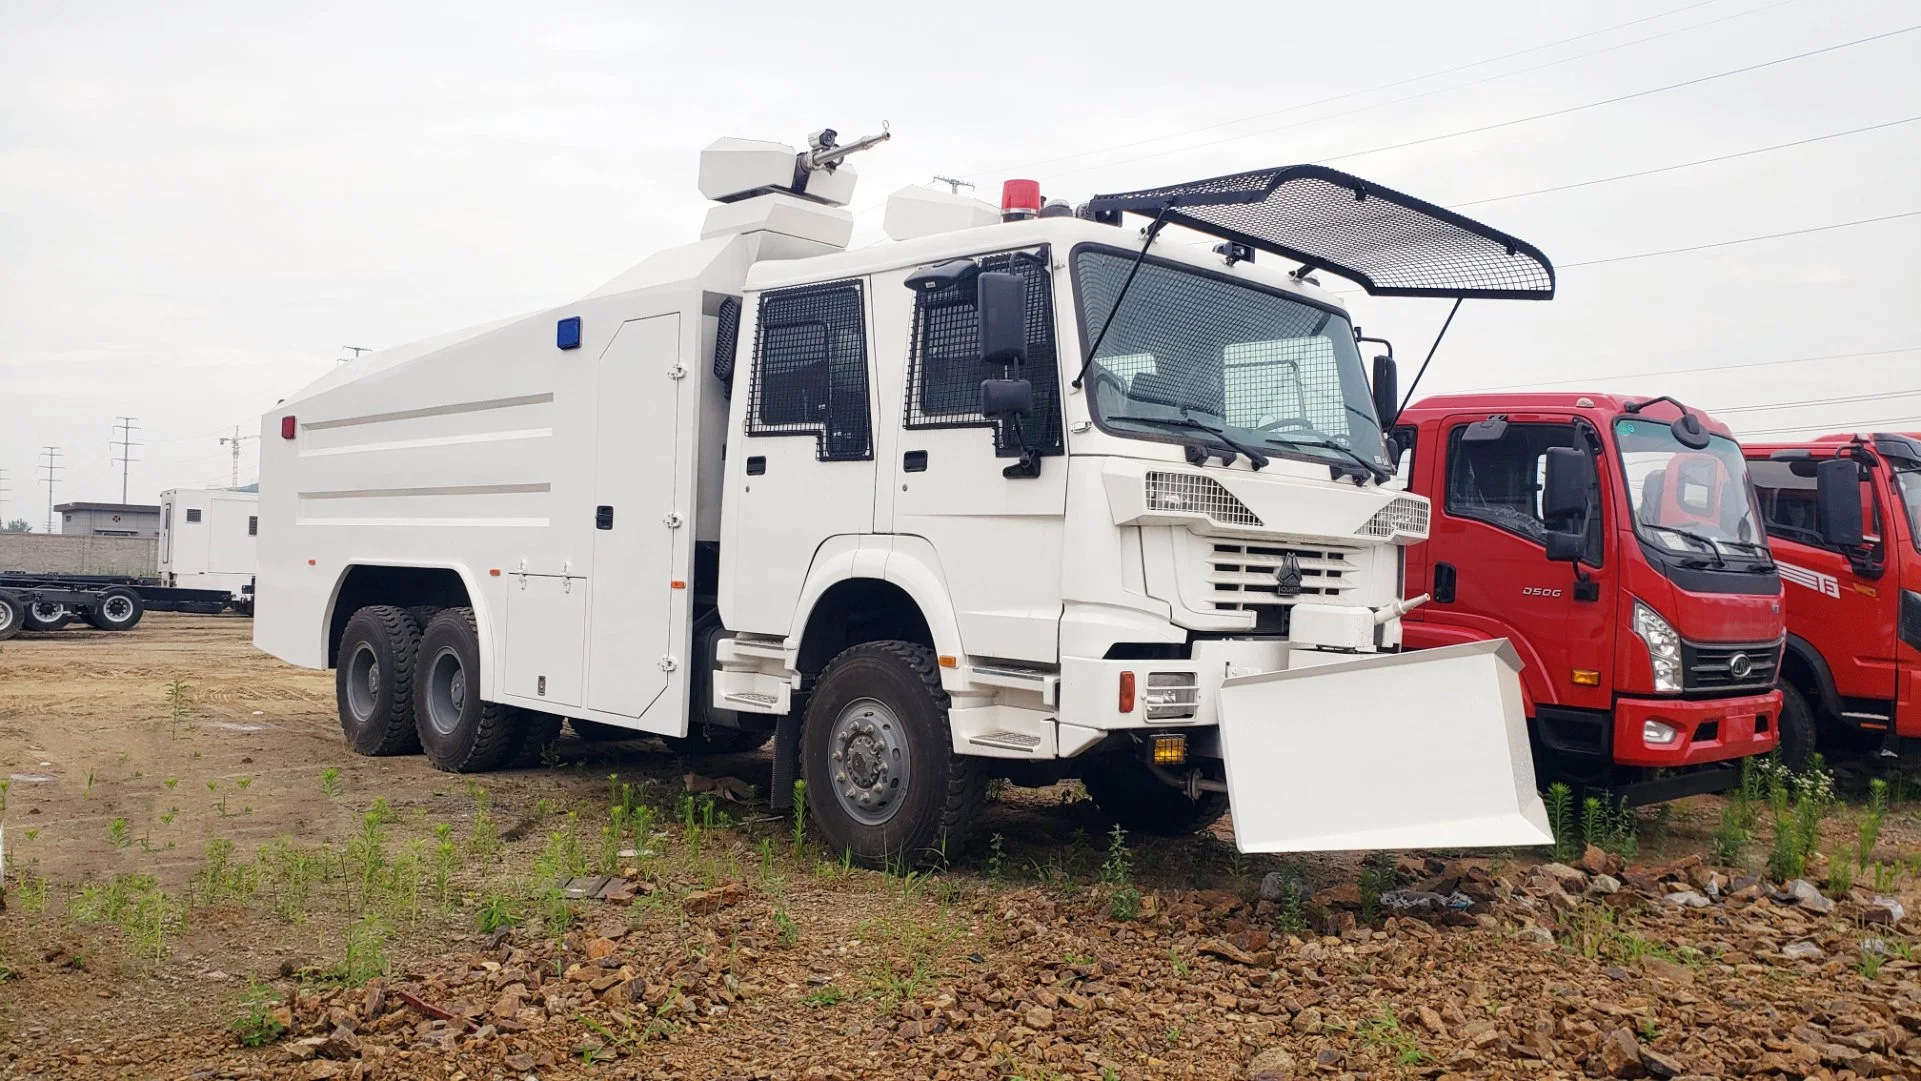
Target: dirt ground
[[376, 918]]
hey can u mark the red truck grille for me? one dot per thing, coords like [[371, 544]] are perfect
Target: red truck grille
[[1730, 667]]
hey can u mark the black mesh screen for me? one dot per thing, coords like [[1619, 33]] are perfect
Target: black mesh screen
[[1273, 368], [944, 370], [726, 339], [1391, 243], [810, 369]]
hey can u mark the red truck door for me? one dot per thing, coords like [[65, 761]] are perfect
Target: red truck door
[[1848, 616], [1486, 561]]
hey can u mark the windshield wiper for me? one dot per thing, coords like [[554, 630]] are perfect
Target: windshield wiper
[[1375, 470], [1254, 457], [1714, 548]]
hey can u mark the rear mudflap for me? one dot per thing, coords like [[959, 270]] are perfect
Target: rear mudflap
[[1427, 749]]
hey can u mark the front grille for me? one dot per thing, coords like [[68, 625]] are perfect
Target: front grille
[[1713, 667], [1192, 493], [1243, 577]]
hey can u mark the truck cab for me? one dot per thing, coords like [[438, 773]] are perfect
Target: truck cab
[[1840, 512], [1615, 543]]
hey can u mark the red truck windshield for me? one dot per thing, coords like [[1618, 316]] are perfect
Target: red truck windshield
[[1692, 503]]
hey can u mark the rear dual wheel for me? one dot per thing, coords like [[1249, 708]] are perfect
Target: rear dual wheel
[[12, 616], [119, 609], [46, 616], [459, 731]]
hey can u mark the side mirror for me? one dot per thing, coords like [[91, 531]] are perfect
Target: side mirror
[[1002, 398], [1387, 398], [1564, 547], [1564, 489], [1837, 485], [1002, 311]]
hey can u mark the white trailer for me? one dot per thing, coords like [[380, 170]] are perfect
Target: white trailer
[[1022, 491], [207, 541]]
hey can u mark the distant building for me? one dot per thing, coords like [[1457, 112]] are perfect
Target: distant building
[[109, 519]]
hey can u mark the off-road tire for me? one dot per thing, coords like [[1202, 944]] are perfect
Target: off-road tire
[[1129, 795], [534, 732], [944, 791], [383, 721], [423, 614], [1796, 726], [119, 609], [12, 616], [476, 735], [34, 622], [707, 739]]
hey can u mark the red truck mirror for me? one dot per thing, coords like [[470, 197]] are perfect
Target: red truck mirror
[[1568, 477], [1837, 484]]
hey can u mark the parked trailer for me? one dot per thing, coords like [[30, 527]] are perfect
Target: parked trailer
[[1019, 493], [1652, 649], [44, 605], [149, 594], [207, 540]]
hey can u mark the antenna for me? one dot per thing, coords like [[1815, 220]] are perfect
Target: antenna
[[236, 439], [53, 467], [356, 350], [954, 183], [125, 426]]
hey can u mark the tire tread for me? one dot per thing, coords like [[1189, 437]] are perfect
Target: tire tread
[[397, 736], [495, 737]]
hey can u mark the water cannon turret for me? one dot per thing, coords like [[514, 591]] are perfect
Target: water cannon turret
[[795, 198]]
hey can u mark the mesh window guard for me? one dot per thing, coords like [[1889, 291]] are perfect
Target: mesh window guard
[[1391, 243], [810, 370], [726, 340], [944, 371]]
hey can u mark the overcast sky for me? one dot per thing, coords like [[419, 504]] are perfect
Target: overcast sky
[[201, 204]]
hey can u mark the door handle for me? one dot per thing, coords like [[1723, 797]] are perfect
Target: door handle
[[756, 466], [914, 461], [1443, 583]]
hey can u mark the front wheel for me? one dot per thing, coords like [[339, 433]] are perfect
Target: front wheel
[[1796, 726], [1129, 795], [459, 731], [883, 782]]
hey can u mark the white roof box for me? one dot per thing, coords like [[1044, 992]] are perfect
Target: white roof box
[[735, 169], [916, 212]]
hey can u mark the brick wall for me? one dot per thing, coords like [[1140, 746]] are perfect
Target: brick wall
[[44, 553]]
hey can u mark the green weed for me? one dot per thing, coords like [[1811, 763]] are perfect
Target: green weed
[[178, 705], [496, 912], [257, 1024], [996, 858], [117, 835], [827, 995], [330, 782], [1384, 1031]]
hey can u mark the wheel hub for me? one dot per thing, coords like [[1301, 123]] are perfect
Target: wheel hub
[[869, 752]]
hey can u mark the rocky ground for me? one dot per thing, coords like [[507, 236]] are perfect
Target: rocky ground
[[562, 922]]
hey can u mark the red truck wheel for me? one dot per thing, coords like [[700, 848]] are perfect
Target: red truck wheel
[[1797, 730]]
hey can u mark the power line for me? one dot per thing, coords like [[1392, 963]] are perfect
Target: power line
[[1706, 368], [1818, 401], [1686, 164], [1742, 240], [125, 427], [1442, 90], [52, 466], [1892, 424]]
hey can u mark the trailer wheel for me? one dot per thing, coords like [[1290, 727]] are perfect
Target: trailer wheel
[[1796, 726], [119, 610], [46, 616], [459, 731], [1129, 795], [883, 782], [374, 683], [705, 739], [12, 616]]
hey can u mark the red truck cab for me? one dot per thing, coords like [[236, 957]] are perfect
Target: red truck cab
[[1616, 543], [1841, 515]]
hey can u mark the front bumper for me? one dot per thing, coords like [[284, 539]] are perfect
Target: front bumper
[[1708, 730]]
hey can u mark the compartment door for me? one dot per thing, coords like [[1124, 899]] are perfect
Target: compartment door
[[543, 637], [636, 488]]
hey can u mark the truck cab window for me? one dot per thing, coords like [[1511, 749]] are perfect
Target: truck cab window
[[944, 371], [1790, 506], [1498, 481], [810, 370]]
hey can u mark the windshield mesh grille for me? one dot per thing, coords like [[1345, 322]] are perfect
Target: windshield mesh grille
[[1404, 515], [1191, 493]]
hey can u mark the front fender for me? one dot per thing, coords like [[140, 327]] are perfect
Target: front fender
[[906, 562]]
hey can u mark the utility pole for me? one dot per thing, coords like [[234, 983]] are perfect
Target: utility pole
[[53, 467], [125, 427], [236, 439]]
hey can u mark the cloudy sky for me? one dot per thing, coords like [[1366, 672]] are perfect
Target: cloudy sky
[[201, 204]]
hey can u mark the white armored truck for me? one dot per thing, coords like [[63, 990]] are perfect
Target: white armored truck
[[1033, 491]]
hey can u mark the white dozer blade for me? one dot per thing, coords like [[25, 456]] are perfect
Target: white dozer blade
[[1427, 749]]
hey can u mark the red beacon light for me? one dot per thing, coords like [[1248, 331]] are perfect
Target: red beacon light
[[1020, 199]]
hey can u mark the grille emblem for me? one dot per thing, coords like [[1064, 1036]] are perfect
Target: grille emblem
[[1740, 666], [1287, 576]]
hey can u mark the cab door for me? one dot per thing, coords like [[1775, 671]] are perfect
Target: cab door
[[1487, 563]]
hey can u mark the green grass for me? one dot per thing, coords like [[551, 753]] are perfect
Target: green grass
[[257, 1025]]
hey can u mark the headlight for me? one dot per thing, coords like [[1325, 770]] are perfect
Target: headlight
[[1664, 647]]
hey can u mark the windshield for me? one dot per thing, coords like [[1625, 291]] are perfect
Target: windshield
[[1691, 502], [1189, 351], [1907, 481]]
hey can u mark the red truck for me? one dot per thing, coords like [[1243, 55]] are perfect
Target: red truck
[[1841, 515], [1616, 543]]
